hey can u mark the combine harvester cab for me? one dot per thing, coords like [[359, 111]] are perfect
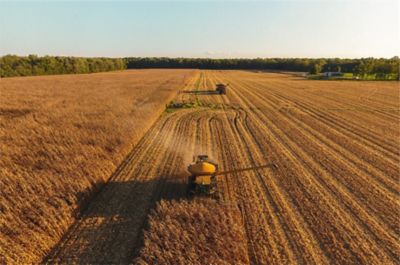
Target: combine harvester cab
[[204, 172], [221, 89], [203, 176]]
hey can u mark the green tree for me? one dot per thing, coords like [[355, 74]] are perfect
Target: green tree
[[316, 68]]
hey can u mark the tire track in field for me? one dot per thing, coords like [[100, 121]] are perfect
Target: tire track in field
[[358, 213], [306, 253], [247, 194], [355, 124], [290, 154], [373, 144], [295, 96], [345, 101], [242, 96], [364, 167], [357, 162], [286, 239], [338, 156]]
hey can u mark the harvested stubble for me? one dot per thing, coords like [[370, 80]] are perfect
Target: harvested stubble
[[198, 232]]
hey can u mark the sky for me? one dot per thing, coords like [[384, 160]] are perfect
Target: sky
[[214, 29]]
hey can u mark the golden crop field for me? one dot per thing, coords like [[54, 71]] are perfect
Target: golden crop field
[[332, 196], [61, 138], [198, 232]]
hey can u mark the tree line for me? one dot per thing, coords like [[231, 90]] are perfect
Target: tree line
[[12, 65], [359, 67]]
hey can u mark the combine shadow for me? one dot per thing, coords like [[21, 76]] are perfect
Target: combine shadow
[[109, 228], [122, 198]]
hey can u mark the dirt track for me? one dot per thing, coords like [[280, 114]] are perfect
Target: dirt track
[[333, 197]]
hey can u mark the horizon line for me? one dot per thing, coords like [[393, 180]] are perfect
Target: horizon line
[[211, 58]]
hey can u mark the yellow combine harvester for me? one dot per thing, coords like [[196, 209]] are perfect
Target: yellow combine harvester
[[204, 172]]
